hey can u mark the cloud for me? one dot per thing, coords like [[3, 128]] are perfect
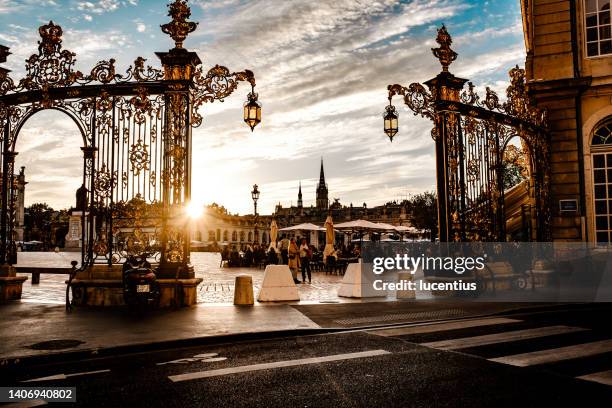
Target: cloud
[[322, 71]]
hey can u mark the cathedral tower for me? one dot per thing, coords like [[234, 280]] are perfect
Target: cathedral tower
[[322, 200]]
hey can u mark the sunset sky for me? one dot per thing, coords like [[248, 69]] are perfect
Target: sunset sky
[[322, 69]]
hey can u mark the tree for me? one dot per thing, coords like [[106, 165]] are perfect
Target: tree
[[37, 220], [424, 212]]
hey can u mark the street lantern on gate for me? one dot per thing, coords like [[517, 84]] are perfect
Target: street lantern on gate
[[391, 122], [252, 110]]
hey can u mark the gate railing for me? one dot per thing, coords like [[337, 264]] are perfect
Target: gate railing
[[136, 129], [473, 137]]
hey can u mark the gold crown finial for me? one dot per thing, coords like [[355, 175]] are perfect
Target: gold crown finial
[[51, 38], [179, 28], [444, 53]]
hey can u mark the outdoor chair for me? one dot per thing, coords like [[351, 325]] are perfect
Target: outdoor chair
[[224, 259]]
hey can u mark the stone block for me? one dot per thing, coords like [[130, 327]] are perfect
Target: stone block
[[356, 284], [278, 285]]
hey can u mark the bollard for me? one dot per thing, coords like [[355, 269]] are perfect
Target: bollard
[[405, 294], [35, 278], [243, 291]]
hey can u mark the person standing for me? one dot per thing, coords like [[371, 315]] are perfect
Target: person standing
[[305, 261], [294, 260], [284, 249]]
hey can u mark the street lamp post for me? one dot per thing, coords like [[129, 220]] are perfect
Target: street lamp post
[[255, 197]]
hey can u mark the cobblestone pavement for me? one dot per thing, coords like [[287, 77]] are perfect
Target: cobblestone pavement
[[217, 287]]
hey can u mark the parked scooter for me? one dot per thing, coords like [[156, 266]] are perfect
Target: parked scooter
[[140, 286]]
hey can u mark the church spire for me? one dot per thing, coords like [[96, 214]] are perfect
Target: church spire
[[322, 174], [322, 201], [300, 203]]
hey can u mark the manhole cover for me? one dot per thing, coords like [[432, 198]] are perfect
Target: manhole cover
[[56, 344]]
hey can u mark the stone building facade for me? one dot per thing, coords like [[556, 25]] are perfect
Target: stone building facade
[[569, 72]]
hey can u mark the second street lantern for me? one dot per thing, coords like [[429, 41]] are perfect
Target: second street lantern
[[391, 126], [252, 110]]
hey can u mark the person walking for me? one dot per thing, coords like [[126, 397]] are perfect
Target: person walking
[[305, 254], [294, 259]]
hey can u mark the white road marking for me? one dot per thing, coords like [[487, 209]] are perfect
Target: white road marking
[[64, 376], [203, 358], [437, 327], [602, 377], [277, 364], [556, 354], [505, 337]]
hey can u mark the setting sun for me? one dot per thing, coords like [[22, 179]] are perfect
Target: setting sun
[[195, 210]]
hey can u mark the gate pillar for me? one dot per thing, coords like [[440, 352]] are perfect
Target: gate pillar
[[446, 89], [179, 66]]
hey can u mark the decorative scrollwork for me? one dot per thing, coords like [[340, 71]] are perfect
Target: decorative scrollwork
[[217, 84], [103, 183], [416, 97], [139, 157], [52, 66], [103, 72], [6, 83]]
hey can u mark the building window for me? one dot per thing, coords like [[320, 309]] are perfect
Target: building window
[[603, 134], [241, 236], [211, 235], [602, 180], [225, 236], [198, 235], [598, 33], [234, 236]]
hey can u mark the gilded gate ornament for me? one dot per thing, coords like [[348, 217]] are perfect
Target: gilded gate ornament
[[179, 28], [473, 145], [136, 128]]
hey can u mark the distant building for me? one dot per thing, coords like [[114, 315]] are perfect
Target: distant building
[[219, 226]]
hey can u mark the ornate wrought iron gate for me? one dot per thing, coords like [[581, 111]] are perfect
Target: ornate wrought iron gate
[[473, 138], [136, 130]]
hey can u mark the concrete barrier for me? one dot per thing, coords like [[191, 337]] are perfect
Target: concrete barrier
[[405, 294], [278, 285], [243, 291], [356, 284]]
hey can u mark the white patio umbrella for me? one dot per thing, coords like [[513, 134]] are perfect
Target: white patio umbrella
[[309, 228], [359, 226], [386, 227], [303, 227]]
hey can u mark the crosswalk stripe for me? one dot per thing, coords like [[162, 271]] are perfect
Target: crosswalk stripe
[[556, 354], [602, 377], [505, 337], [437, 327], [277, 364]]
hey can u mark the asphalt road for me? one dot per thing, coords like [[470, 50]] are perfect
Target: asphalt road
[[538, 357]]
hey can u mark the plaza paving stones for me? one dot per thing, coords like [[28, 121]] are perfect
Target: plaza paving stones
[[217, 287]]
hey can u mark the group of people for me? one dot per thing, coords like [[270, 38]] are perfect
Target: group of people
[[297, 253], [245, 255]]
